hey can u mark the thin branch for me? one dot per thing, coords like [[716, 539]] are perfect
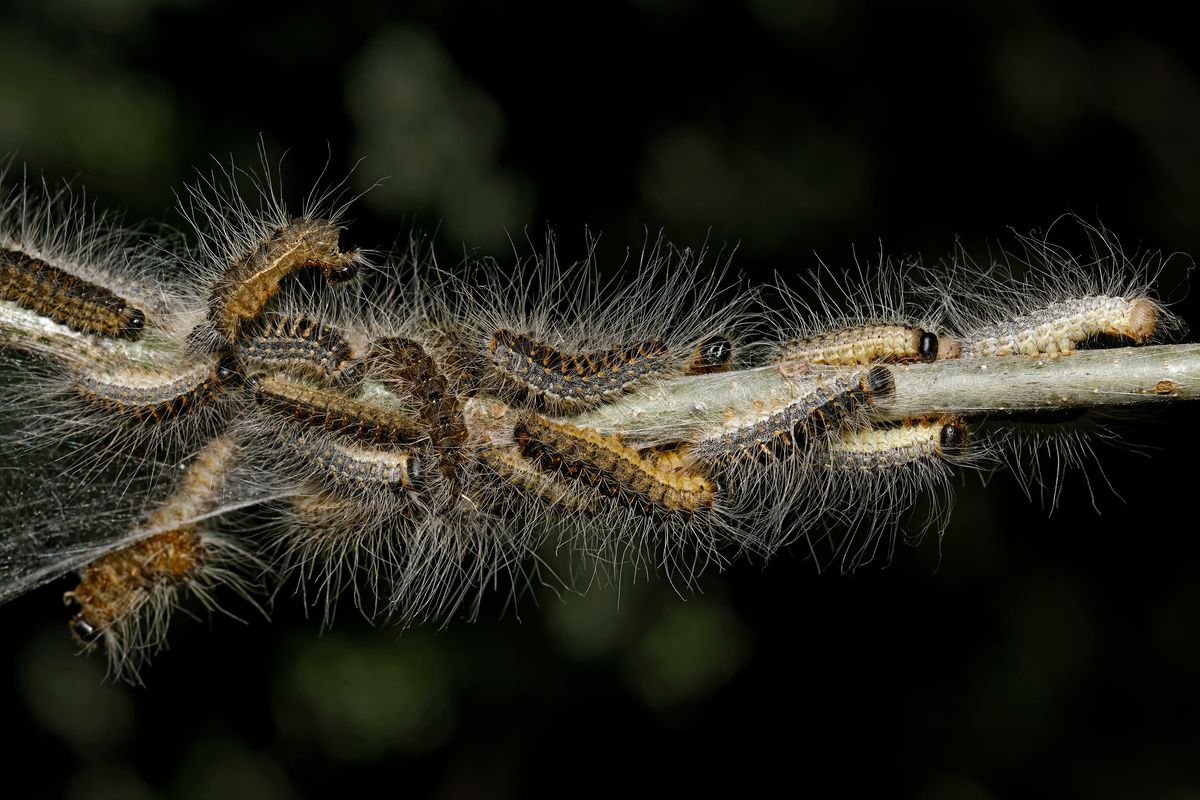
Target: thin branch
[[688, 407]]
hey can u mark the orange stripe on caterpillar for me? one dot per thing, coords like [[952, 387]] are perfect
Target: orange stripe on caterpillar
[[609, 466], [300, 342], [788, 431], [147, 396], [405, 361], [244, 289], [576, 381], [866, 344], [335, 412], [1062, 327], [346, 465], [66, 298]]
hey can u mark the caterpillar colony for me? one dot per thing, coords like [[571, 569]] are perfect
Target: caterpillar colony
[[262, 407]]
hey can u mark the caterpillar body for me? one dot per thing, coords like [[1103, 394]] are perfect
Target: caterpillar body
[[66, 298], [298, 342], [335, 412], [788, 431], [150, 397], [406, 362], [611, 468], [867, 344], [576, 381], [124, 599]]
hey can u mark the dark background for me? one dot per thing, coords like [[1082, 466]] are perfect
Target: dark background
[[1041, 654]]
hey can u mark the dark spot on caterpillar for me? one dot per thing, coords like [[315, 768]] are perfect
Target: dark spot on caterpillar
[[927, 348], [953, 437], [715, 354]]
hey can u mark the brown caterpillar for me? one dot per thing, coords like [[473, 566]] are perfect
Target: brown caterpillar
[[405, 361], [153, 396], [510, 465], [613, 469], [576, 381], [243, 290], [66, 298], [347, 465], [866, 344], [299, 342], [335, 412], [789, 430], [125, 597]]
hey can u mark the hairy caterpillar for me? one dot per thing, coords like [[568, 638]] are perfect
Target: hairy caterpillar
[[573, 381], [124, 599], [866, 316], [644, 423], [246, 251], [346, 465], [405, 361], [513, 468], [149, 397], [1044, 300], [873, 475], [560, 341], [611, 468], [66, 298], [295, 341], [293, 400], [788, 431], [867, 344]]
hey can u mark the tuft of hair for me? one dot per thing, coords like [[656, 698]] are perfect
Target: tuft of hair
[[1043, 449]]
